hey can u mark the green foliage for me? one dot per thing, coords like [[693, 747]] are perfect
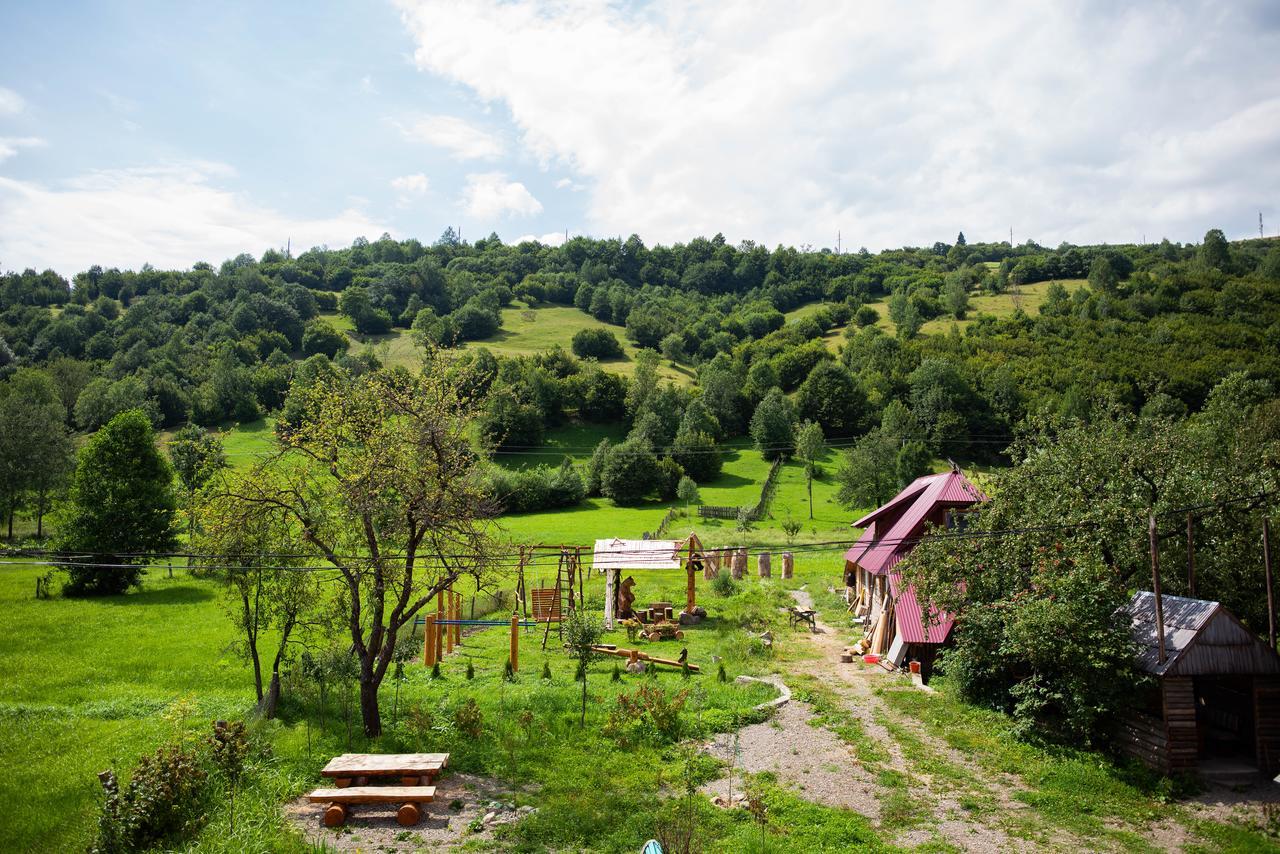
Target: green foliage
[[468, 718], [596, 343], [723, 584], [471, 671], [773, 425], [628, 473], [832, 398], [508, 671], [120, 507], [546, 670], [582, 632], [648, 715], [687, 490], [163, 802], [320, 338]]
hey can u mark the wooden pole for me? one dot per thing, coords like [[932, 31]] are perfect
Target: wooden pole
[[690, 592], [515, 643], [1191, 558], [448, 633], [440, 616], [429, 641], [1266, 565], [1155, 583]]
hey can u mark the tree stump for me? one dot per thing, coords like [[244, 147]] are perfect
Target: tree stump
[[408, 815], [335, 815], [763, 564], [788, 564]]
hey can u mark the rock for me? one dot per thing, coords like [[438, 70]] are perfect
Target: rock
[[744, 680], [489, 817], [689, 619], [635, 667]]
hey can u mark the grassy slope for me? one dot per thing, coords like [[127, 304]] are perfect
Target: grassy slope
[[524, 332]]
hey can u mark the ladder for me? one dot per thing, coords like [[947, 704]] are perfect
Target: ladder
[[568, 572]]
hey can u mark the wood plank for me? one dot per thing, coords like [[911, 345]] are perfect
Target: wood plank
[[374, 795], [385, 764]]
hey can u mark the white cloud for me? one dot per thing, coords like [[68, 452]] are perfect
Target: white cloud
[[169, 216], [410, 187], [489, 195], [9, 145], [463, 140], [555, 238], [367, 86], [11, 103], [785, 120]]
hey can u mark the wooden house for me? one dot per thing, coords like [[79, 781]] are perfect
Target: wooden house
[[1214, 704], [900, 626]]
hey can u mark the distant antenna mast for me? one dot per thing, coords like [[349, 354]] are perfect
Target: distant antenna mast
[[837, 241], [288, 246], [1260, 224], [1010, 237]]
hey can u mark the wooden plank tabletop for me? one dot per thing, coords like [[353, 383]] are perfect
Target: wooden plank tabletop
[[375, 795], [384, 764]]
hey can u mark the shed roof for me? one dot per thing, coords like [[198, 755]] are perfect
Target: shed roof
[[636, 554], [877, 550], [1201, 638]]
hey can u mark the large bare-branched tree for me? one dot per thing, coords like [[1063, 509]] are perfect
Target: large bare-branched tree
[[379, 475]]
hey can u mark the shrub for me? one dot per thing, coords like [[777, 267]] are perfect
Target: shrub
[[546, 670], [163, 802], [649, 715], [471, 671], [723, 584], [467, 717], [596, 343]]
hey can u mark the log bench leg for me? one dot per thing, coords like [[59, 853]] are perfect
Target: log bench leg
[[408, 815], [342, 782], [335, 815], [412, 781]]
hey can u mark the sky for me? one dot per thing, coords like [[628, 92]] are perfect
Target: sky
[[168, 133]]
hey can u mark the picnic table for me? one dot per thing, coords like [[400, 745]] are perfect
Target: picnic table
[[800, 615], [351, 773], [412, 768]]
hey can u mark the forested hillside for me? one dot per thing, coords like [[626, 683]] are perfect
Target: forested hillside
[[1152, 328]]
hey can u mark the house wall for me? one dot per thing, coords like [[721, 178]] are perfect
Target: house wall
[[1144, 738], [1266, 716], [1179, 702]]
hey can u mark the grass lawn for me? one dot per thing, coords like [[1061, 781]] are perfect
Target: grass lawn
[[524, 332]]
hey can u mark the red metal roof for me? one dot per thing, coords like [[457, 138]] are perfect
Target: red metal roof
[[908, 614], [879, 551], [902, 520]]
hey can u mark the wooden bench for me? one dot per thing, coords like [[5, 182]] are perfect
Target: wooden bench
[[413, 769], [410, 797], [803, 615]]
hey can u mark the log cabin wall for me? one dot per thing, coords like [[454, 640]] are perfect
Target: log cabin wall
[[1266, 716], [1144, 738], [1179, 701]]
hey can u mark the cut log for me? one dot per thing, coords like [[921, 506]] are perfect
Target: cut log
[[335, 815], [411, 781], [764, 564], [408, 815], [788, 565]]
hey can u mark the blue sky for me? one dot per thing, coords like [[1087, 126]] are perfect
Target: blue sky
[[168, 133]]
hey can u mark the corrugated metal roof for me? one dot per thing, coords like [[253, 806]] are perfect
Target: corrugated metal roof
[[1200, 638], [636, 554], [910, 620], [879, 551]]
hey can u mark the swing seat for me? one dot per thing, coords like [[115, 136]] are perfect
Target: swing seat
[[545, 602]]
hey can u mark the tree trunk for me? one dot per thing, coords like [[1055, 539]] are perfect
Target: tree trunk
[[369, 706], [810, 495], [10, 523], [268, 705]]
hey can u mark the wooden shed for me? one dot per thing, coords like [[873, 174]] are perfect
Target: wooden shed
[[1214, 707]]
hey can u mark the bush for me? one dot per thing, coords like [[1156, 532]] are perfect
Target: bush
[[468, 719], [649, 716], [320, 337], [723, 584], [537, 488], [596, 343], [162, 803]]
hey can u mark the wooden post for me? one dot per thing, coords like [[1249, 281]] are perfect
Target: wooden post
[[1154, 541], [448, 633], [1191, 559], [429, 641], [788, 565], [764, 565], [515, 643], [1266, 565]]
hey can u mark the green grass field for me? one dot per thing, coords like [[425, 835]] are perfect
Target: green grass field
[[525, 332]]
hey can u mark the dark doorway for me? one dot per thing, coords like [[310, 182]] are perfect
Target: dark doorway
[[1224, 717]]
